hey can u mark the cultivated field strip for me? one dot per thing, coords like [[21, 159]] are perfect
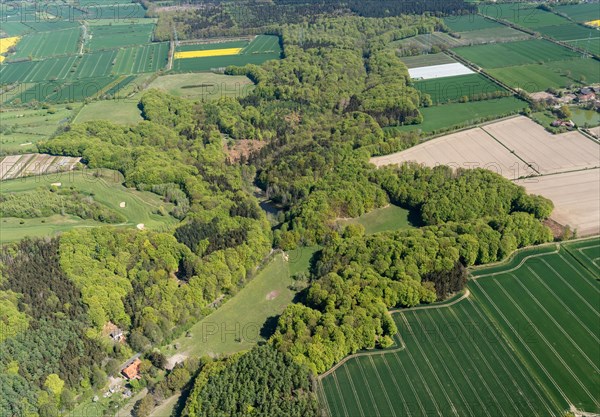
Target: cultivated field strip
[[17, 166], [505, 350], [46, 44]]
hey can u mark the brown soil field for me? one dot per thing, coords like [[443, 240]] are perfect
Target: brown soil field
[[546, 152], [576, 197], [466, 149]]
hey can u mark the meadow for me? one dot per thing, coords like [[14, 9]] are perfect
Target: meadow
[[450, 89], [106, 188], [490, 352], [453, 115], [467, 23], [203, 86], [120, 111], [21, 128], [382, 220], [247, 318]]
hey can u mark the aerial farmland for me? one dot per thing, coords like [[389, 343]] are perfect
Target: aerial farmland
[[301, 208]]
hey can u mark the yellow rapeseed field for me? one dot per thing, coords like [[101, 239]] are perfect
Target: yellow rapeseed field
[[595, 23], [7, 43], [207, 53]]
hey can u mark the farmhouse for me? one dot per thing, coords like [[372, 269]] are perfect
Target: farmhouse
[[132, 371], [586, 94]]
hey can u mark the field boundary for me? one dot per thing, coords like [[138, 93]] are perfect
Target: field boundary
[[400, 341]]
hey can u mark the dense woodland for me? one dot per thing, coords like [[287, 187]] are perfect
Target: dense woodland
[[320, 110]]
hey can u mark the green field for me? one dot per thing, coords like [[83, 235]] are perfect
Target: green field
[[140, 59], [522, 14], [468, 23], [263, 48], [505, 349], [120, 111], [68, 91], [21, 128], [427, 60], [450, 89], [118, 36], [46, 44], [583, 117], [237, 324], [203, 86], [580, 12], [382, 220], [447, 116], [515, 53], [536, 77], [106, 189]]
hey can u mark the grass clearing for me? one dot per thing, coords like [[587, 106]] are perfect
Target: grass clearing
[[585, 118], [384, 219], [121, 111], [106, 188], [491, 353], [203, 86], [247, 317]]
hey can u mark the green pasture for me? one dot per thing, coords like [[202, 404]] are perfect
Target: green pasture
[[583, 117], [504, 350], [46, 44], [448, 116], [450, 89], [237, 324], [22, 128], [515, 53], [203, 86], [120, 111], [382, 220], [140, 207]]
